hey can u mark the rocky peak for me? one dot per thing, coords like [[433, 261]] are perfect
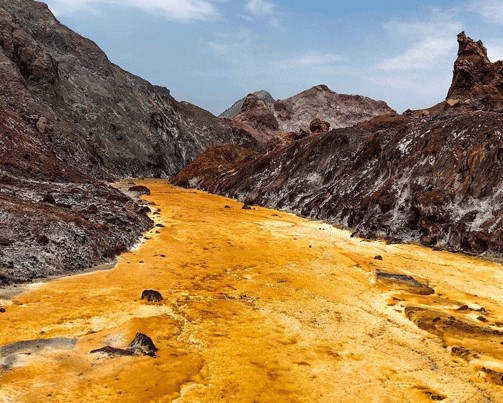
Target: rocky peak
[[266, 120], [469, 48], [238, 105], [477, 83]]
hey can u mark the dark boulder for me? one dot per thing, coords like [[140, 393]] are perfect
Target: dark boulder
[[143, 344], [140, 189], [152, 295]]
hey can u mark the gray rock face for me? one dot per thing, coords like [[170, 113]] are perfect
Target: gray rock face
[[92, 114], [265, 119]]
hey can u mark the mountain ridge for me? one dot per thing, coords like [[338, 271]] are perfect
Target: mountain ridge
[[431, 176], [266, 119]]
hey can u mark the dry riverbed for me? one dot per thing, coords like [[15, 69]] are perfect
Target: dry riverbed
[[259, 305]]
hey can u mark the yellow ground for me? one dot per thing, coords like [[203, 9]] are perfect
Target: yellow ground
[[258, 306]]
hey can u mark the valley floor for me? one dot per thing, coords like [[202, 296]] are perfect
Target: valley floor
[[259, 306]]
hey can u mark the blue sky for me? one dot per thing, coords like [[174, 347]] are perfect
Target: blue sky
[[213, 52]]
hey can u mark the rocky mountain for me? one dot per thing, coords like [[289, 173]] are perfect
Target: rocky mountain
[[265, 118], [91, 113], [68, 119], [433, 176], [235, 109]]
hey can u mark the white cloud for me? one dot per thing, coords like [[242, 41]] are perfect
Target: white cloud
[[181, 10], [490, 10], [260, 8], [317, 59], [433, 42]]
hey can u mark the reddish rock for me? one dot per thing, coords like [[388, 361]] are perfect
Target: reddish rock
[[477, 83], [433, 178], [318, 126], [265, 118]]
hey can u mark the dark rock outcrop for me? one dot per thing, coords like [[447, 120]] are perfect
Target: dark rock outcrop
[[403, 282], [433, 176], [477, 83], [141, 345], [318, 126], [265, 119]]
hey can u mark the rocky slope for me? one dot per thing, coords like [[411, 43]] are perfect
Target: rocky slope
[[265, 118], [94, 115], [433, 176], [68, 119]]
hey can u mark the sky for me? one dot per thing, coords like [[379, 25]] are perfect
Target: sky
[[214, 52]]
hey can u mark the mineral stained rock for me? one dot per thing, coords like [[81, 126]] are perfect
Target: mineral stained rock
[[265, 118], [433, 176]]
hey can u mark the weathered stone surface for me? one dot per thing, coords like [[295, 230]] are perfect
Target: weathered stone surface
[[265, 118], [477, 83], [435, 179], [318, 126], [403, 282]]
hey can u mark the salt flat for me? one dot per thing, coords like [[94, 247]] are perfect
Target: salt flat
[[260, 305]]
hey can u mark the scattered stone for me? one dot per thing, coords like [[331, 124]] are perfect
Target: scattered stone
[[140, 189], [246, 207], [378, 257], [160, 225], [152, 295], [494, 376], [92, 209], [227, 206], [463, 308], [482, 318], [48, 198], [143, 210], [452, 102], [2, 309]]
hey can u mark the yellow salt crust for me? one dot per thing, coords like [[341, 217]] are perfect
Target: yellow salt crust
[[258, 305]]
